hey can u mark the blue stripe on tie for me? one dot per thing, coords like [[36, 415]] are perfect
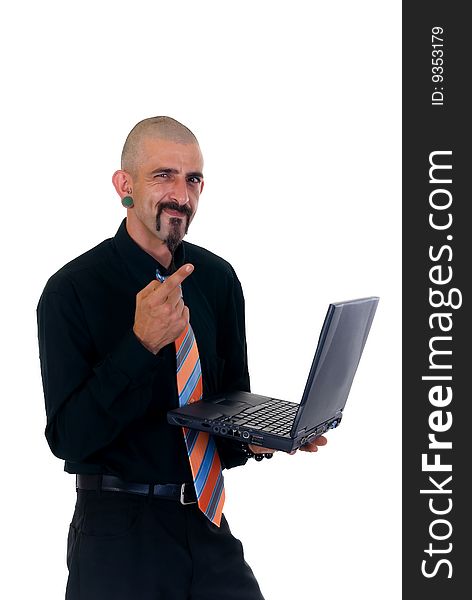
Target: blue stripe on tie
[[181, 360], [215, 497], [190, 384], [190, 439], [185, 347], [187, 334], [204, 469]]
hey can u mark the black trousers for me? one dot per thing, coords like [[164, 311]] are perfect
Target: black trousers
[[124, 546]]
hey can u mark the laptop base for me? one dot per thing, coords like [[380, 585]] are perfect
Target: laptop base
[[250, 418]]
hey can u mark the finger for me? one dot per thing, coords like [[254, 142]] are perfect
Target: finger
[[310, 447], [151, 287], [313, 446], [183, 322], [175, 280], [179, 307], [261, 449], [175, 296]]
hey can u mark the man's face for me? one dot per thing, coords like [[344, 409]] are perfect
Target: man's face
[[166, 188]]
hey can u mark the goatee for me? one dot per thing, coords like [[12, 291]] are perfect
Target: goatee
[[175, 223], [174, 238]]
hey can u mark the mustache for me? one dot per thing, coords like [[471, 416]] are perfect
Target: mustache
[[184, 209]]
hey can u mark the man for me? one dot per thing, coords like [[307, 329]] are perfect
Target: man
[[117, 327]]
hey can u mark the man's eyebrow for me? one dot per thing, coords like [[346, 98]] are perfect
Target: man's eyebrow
[[195, 174], [163, 170], [176, 172]]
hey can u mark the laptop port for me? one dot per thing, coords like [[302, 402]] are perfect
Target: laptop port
[[216, 429], [245, 435], [257, 439], [223, 430]]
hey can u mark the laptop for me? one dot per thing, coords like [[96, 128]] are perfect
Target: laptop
[[283, 425]]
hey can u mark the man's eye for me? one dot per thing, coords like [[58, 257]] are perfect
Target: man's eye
[[194, 179], [163, 175]]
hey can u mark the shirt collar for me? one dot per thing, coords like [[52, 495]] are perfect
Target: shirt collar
[[141, 264]]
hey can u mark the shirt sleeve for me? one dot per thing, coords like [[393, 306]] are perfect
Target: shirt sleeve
[[233, 349], [88, 402]]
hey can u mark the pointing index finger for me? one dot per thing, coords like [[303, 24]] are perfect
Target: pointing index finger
[[176, 278]]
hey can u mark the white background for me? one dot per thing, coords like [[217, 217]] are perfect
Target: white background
[[297, 109]]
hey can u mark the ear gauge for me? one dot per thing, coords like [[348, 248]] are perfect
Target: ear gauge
[[127, 202]]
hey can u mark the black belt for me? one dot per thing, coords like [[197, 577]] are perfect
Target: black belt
[[182, 492]]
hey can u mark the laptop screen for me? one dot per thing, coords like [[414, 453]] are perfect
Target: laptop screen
[[340, 345]]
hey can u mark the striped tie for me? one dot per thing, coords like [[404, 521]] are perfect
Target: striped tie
[[203, 455]]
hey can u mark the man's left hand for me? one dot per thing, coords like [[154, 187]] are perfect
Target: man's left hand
[[313, 446], [260, 449], [310, 447]]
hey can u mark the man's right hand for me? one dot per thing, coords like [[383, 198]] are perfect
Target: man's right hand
[[161, 314]]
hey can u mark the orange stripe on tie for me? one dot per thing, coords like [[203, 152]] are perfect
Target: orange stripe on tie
[[210, 483], [180, 339], [186, 370], [219, 509], [198, 452]]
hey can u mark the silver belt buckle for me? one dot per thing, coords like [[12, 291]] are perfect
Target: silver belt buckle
[[182, 496]]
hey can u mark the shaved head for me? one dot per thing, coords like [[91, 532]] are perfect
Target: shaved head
[[164, 128]]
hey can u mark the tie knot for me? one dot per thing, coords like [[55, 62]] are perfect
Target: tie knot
[[160, 277]]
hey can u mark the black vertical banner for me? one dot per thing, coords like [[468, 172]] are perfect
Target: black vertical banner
[[437, 329]]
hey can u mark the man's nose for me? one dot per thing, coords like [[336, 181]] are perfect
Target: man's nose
[[179, 191]]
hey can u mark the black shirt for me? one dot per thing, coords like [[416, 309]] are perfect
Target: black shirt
[[106, 395]]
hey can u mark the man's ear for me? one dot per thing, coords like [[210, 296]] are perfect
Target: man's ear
[[201, 186], [123, 183]]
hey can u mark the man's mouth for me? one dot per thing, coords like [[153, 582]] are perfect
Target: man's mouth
[[174, 210], [174, 213]]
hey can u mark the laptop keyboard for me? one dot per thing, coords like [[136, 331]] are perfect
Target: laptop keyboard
[[272, 417]]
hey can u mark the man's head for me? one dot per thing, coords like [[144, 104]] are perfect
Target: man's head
[[161, 169]]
